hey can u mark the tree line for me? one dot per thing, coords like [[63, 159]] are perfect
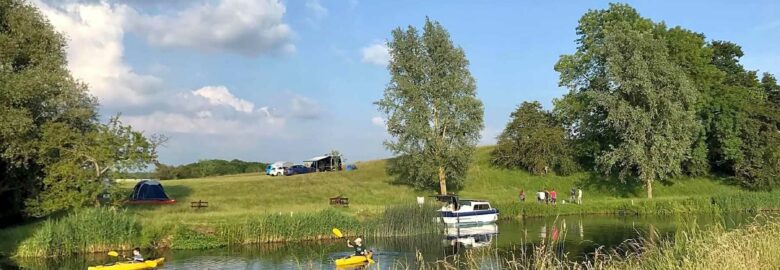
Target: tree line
[[646, 103], [649, 103], [204, 168]]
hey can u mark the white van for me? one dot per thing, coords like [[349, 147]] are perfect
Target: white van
[[279, 168]]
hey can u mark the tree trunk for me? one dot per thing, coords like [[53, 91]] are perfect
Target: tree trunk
[[442, 181], [649, 187]]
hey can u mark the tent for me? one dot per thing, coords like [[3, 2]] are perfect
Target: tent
[[149, 192]]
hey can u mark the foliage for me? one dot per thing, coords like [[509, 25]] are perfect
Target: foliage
[[36, 91], [534, 141], [205, 168], [432, 110], [54, 153], [626, 85]]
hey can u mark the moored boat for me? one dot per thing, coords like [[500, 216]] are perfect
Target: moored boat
[[130, 265], [462, 212]]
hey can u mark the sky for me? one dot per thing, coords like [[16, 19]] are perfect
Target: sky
[[268, 80]]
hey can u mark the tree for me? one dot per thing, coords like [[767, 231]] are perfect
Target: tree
[[36, 90], [79, 166], [54, 152], [432, 110], [622, 78], [534, 141]]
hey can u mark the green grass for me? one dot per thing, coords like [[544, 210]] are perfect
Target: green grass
[[369, 189], [253, 208]]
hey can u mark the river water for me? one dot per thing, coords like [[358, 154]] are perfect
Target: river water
[[575, 236]]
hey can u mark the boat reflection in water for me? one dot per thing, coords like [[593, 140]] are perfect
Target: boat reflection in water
[[474, 236]]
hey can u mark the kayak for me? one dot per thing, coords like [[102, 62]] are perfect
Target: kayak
[[354, 259], [129, 265]]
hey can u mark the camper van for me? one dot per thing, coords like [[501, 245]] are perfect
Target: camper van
[[279, 168]]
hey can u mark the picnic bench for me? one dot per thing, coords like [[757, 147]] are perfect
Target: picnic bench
[[199, 204], [339, 201]]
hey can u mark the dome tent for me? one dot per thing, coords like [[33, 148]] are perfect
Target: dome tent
[[151, 192]]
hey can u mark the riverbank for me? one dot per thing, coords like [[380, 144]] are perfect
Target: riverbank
[[245, 209], [753, 246]]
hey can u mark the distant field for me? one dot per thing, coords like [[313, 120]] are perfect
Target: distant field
[[369, 190]]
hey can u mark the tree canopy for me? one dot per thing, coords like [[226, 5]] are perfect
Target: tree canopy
[[204, 168], [54, 152], [432, 110], [533, 140]]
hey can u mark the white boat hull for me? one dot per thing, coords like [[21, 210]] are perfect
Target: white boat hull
[[469, 217]]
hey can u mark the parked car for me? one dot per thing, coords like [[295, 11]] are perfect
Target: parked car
[[297, 169], [279, 168]]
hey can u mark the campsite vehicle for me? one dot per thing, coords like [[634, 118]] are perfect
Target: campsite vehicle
[[279, 168], [460, 212], [324, 163], [297, 169], [149, 191], [129, 265]]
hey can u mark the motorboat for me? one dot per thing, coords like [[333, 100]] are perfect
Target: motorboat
[[465, 211]]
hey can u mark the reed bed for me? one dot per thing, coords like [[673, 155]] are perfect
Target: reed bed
[[754, 246], [84, 231]]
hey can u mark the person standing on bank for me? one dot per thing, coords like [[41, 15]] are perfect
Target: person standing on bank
[[579, 196]]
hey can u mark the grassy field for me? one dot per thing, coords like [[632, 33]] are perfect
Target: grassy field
[[253, 208], [369, 189]]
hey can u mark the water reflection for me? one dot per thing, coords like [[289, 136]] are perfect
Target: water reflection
[[575, 236]]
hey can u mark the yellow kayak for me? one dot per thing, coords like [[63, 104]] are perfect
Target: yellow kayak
[[354, 259], [129, 265]]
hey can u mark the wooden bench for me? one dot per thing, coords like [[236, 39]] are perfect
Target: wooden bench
[[199, 204], [339, 201]]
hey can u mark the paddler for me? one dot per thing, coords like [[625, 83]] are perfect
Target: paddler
[[137, 255], [359, 249]]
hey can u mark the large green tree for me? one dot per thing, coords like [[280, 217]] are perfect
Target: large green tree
[[624, 85], [533, 140], [432, 110], [48, 121]]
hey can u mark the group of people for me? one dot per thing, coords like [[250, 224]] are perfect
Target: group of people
[[551, 197]]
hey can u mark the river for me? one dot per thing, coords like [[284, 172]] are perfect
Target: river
[[575, 236]]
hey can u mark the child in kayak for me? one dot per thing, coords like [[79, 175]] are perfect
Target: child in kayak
[[359, 249], [137, 255]]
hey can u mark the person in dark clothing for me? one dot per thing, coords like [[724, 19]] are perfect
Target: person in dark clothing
[[359, 249]]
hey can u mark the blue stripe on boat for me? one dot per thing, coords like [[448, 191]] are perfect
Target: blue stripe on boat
[[470, 213]]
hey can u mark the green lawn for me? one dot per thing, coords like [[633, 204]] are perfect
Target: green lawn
[[369, 190]]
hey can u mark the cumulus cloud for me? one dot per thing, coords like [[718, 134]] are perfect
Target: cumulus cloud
[[378, 121], [220, 95], [376, 54], [94, 33], [248, 27], [304, 108]]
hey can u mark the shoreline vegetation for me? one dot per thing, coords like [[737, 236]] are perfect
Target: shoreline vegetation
[[251, 209], [750, 247]]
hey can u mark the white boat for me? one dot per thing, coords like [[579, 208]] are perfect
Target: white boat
[[459, 212]]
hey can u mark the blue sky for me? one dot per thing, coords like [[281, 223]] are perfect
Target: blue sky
[[286, 80]]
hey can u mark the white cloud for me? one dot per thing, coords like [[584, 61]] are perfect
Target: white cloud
[[94, 33], [378, 121], [304, 108], [249, 27], [220, 95], [376, 54], [316, 8]]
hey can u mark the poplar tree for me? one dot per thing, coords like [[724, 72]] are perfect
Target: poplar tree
[[432, 111]]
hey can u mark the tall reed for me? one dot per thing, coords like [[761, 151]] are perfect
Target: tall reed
[[87, 230]]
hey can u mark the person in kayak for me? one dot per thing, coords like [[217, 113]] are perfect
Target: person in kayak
[[359, 249], [137, 255]]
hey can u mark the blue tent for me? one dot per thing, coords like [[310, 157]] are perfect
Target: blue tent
[[149, 191]]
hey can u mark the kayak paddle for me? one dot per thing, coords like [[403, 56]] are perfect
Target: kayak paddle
[[113, 254], [337, 233]]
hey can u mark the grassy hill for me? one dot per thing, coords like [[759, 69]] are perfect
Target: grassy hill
[[369, 189]]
